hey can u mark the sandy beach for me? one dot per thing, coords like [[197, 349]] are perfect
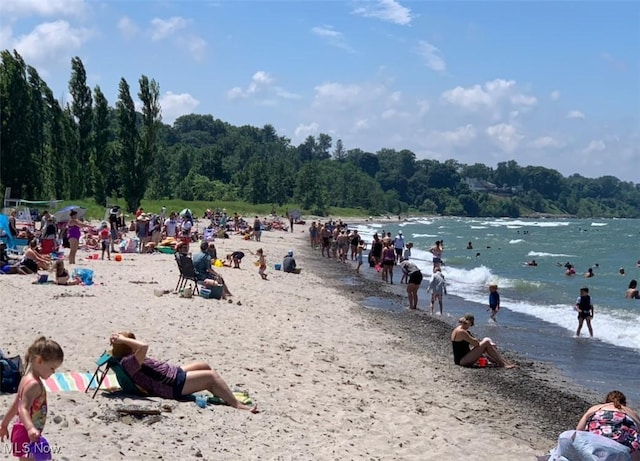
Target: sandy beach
[[332, 380]]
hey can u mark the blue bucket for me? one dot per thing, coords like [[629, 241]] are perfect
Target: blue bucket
[[277, 267]]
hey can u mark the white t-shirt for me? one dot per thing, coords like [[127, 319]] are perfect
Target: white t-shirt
[[170, 226]]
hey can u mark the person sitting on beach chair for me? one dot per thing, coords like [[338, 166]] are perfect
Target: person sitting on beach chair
[[162, 379], [202, 263]]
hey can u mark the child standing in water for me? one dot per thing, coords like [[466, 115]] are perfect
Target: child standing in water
[[262, 264], [494, 301], [359, 257], [30, 405], [585, 310]]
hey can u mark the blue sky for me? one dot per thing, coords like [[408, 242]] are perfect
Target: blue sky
[[555, 84]]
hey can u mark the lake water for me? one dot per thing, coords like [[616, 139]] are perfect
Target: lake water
[[537, 318]]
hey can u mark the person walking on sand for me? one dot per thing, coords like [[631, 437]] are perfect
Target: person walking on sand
[[438, 288], [494, 302], [585, 310], [262, 263]]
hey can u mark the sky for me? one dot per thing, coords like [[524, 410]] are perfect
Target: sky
[[553, 84]]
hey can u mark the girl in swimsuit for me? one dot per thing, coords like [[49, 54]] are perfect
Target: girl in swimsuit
[[73, 234], [615, 420], [30, 405]]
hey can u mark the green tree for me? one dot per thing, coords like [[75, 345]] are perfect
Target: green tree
[[339, 153], [128, 147], [17, 166], [81, 108], [100, 152], [149, 95]]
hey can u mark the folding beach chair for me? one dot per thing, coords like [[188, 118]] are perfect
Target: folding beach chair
[[107, 362], [208, 235], [187, 273], [178, 262]]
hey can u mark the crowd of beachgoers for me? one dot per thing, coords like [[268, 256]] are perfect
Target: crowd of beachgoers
[[386, 255]]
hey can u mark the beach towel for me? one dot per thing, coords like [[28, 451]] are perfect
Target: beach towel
[[78, 381], [240, 395]]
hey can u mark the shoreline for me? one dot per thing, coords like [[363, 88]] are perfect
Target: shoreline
[[332, 380], [540, 392]]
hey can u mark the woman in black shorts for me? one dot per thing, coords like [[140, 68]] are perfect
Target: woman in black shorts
[[415, 279]]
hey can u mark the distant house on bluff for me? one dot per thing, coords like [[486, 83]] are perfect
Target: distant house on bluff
[[480, 185]]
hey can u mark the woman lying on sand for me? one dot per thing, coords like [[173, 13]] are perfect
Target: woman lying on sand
[[162, 379], [615, 420], [466, 355]]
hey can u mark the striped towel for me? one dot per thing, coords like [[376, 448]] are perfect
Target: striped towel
[[78, 381]]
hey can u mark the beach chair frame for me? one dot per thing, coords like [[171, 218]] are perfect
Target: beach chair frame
[[187, 273], [108, 362]]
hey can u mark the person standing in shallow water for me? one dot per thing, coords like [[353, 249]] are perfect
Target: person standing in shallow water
[[585, 310]]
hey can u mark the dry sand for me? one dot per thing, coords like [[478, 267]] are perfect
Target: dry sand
[[332, 380]]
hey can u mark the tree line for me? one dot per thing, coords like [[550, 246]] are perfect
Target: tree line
[[87, 148]]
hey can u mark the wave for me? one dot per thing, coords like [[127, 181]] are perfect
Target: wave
[[542, 254], [521, 223], [477, 227], [598, 224], [516, 241]]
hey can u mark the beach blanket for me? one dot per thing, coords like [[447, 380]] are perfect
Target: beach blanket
[[78, 381]]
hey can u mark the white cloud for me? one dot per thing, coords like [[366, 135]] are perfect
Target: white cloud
[[505, 136], [360, 125], [176, 29], [197, 46], [302, 131], [386, 10], [423, 107], [262, 83], [447, 140], [326, 31], [545, 142], [51, 43], [162, 29], [22, 8], [555, 95], [493, 95], [128, 28], [333, 37], [176, 104], [575, 114], [338, 96], [595, 146], [431, 56]]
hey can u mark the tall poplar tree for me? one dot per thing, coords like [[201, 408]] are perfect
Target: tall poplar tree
[[100, 152], [17, 169], [149, 95], [81, 108], [128, 147], [56, 147]]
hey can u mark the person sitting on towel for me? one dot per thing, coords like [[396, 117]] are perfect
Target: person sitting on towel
[[289, 262]]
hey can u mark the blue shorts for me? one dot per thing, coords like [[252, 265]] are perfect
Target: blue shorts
[[178, 384]]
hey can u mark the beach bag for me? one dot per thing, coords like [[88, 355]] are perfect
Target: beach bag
[[10, 373], [85, 275]]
